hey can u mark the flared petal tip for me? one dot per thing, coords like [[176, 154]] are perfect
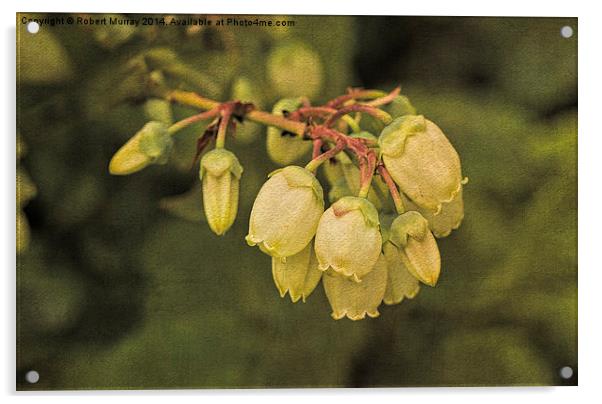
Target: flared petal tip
[[251, 240], [392, 302], [341, 271], [355, 316]]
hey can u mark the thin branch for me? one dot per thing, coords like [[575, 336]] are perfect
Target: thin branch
[[194, 100], [386, 176]]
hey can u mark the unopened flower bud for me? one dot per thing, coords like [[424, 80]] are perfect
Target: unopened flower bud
[[298, 274], [400, 282], [220, 174], [348, 239], [286, 212], [422, 161], [417, 246], [284, 148], [356, 299], [151, 145]]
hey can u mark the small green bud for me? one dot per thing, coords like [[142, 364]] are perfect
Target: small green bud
[[220, 174], [286, 212], [417, 246], [295, 69], [422, 161], [356, 300], [400, 282], [151, 145], [298, 274], [285, 148], [348, 239]]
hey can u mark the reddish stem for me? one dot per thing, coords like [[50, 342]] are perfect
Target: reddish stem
[[386, 176], [192, 119], [321, 158], [226, 110], [366, 157], [317, 150]]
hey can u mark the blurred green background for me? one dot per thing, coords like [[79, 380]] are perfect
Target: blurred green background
[[122, 285]]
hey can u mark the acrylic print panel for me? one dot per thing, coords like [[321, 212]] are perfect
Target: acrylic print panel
[[230, 201]]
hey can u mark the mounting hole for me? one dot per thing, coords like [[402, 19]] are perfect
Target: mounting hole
[[566, 372], [566, 32], [33, 27], [32, 377]]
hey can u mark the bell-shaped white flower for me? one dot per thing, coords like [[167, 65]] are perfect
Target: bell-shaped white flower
[[286, 212], [348, 239], [400, 282], [449, 218], [417, 246], [298, 274], [422, 161], [220, 175], [356, 299]]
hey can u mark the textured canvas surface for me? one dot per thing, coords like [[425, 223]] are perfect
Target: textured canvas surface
[[122, 283]]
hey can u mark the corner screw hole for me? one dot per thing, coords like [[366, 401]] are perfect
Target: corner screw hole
[[566, 372], [566, 32], [33, 27], [32, 377]]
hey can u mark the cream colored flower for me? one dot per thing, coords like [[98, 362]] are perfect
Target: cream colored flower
[[422, 161], [417, 246], [150, 145], [448, 219], [298, 274], [285, 148], [286, 212], [348, 239], [220, 175], [400, 282], [356, 300]]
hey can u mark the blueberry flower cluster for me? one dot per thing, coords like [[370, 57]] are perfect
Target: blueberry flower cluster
[[394, 185]]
